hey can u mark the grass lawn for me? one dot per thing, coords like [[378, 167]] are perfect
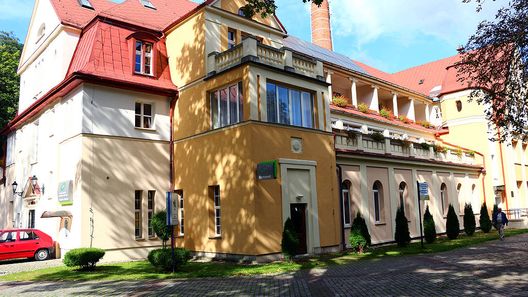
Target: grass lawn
[[143, 269]]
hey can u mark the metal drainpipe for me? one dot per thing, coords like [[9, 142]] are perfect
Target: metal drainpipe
[[340, 182]]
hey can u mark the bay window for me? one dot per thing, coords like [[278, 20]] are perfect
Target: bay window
[[289, 106], [227, 106]]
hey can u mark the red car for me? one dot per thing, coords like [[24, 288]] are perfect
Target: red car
[[25, 243]]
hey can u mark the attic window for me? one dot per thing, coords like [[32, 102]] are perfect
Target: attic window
[[147, 4], [420, 82], [41, 32], [86, 4]]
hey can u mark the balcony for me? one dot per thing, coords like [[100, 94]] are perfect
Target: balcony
[[251, 50], [392, 146]]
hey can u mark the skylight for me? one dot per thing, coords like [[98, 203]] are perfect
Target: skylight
[[147, 4], [86, 4]]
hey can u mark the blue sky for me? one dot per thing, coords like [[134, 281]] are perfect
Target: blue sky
[[388, 34]]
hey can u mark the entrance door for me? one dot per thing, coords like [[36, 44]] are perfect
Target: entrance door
[[298, 217]]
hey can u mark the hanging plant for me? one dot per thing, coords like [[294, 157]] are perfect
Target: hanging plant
[[471, 153], [406, 143], [439, 149], [457, 153], [425, 146], [377, 136]]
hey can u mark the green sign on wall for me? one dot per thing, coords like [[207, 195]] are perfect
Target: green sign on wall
[[65, 192], [267, 170]]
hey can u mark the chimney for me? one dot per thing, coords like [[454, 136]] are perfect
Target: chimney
[[321, 32]]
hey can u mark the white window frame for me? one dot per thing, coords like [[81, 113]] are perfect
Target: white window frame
[[34, 142], [217, 211], [143, 116], [138, 213], [143, 53], [378, 196], [215, 95], [443, 195], [231, 43], [10, 149], [151, 197], [346, 193], [179, 194]]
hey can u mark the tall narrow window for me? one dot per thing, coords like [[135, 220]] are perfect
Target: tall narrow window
[[346, 203], [138, 226], [34, 143], [215, 193], [31, 218], [143, 58], [226, 106], [231, 38], [150, 213], [144, 115], [289, 106], [10, 149], [179, 195], [377, 193], [443, 198]]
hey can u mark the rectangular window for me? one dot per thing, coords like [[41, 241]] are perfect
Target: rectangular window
[[10, 149], [179, 195], [150, 213], [138, 226], [346, 208], [215, 193], [34, 142], [143, 115], [143, 58], [31, 219], [289, 106], [231, 38], [226, 106]]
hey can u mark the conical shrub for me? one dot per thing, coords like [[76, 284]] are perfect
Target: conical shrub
[[360, 224], [494, 214], [484, 220], [429, 226], [290, 240], [469, 220], [402, 235], [452, 223]]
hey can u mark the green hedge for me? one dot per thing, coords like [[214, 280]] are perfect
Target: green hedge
[[162, 258], [84, 258]]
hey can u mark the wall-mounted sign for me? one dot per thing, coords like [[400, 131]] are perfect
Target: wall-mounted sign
[[65, 192], [423, 191], [267, 170], [172, 210]]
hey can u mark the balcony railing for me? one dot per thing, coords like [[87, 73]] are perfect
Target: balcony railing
[[363, 142], [251, 50]]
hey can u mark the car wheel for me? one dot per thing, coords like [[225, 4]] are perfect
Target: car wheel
[[41, 255]]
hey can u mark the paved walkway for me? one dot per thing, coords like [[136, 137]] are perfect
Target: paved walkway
[[490, 269], [20, 265]]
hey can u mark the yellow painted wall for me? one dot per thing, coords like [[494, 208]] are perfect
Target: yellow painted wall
[[234, 5], [449, 108], [186, 50]]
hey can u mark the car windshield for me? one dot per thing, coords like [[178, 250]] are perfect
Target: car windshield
[[9, 236]]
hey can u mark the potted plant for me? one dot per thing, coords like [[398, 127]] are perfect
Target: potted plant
[[377, 136], [363, 108], [340, 101]]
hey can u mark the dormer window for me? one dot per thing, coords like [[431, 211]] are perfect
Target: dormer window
[[86, 4], [143, 61], [147, 4]]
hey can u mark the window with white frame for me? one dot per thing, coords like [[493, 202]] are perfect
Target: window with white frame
[[144, 115], [377, 194], [34, 142], [226, 106], [289, 106], [443, 198], [138, 226], [345, 192], [10, 149], [143, 59], [231, 38], [215, 192], [179, 195], [150, 213]]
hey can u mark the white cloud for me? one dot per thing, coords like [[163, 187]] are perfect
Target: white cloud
[[18, 9], [367, 20]]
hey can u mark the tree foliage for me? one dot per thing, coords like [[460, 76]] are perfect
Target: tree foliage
[[402, 235], [10, 49], [484, 220], [360, 224], [429, 226], [452, 223], [266, 7], [290, 240], [495, 62], [469, 220], [159, 225]]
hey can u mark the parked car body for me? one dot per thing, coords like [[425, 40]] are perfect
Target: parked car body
[[25, 243]]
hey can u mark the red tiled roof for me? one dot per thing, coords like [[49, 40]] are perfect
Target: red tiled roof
[[130, 11], [104, 51], [375, 72]]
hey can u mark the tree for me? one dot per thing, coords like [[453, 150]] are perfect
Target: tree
[[402, 235], [452, 224], [290, 240], [494, 214], [469, 220], [266, 7], [10, 49], [360, 224], [494, 62], [429, 226], [159, 225], [484, 220]]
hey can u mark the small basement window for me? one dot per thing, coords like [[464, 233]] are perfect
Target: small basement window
[[147, 4], [86, 4]]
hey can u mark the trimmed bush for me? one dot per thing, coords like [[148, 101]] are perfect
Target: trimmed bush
[[162, 258], [290, 240], [429, 226], [363, 108], [494, 214], [469, 220], [484, 220], [84, 258], [402, 235], [360, 224], [452, 224], [159, 225], [357, 241]]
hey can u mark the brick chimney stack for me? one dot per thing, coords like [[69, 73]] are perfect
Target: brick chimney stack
[[321, 32]]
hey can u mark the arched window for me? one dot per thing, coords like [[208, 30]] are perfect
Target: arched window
[[444, 201], [377, 194], [403, 191], [459, 187], [459, 105], [345, 194]]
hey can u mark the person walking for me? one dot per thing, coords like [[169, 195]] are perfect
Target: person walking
[[499, 221]]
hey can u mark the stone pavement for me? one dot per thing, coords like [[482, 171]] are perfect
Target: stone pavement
[[490, 269], [20, 265]]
